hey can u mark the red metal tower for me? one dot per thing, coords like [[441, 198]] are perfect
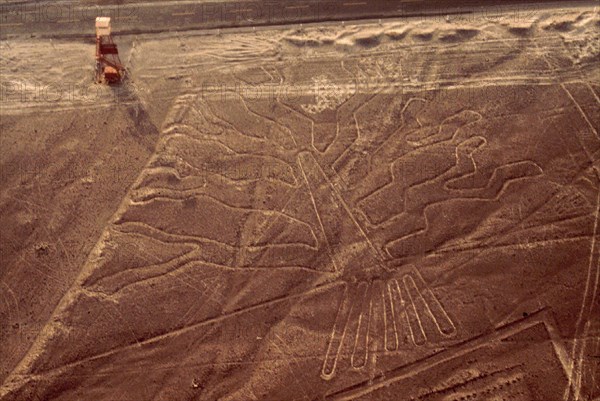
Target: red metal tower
[[108, 64]]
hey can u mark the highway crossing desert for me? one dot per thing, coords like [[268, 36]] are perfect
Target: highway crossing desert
[[403, 208]]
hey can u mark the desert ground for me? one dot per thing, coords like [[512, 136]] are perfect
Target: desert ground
[[395, 202]]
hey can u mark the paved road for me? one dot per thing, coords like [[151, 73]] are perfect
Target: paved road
[[71, 19]]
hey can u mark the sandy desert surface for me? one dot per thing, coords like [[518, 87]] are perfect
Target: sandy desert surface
[[395, 209]]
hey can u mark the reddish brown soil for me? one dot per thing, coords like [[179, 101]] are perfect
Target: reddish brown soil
[[396, 211]]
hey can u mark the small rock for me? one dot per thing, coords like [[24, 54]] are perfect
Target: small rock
[[42, 249]]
